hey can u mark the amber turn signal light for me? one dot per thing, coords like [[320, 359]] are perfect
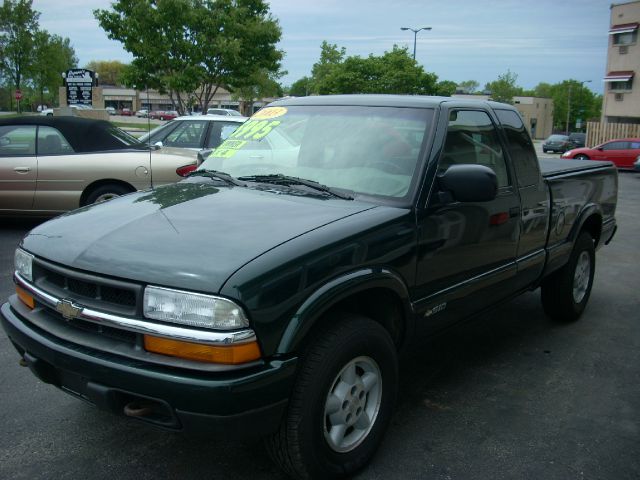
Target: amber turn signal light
[[27, 299], [228, 354]]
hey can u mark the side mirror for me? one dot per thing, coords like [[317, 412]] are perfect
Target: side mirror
[[600, 148], [4, 141], [158, 144], [204, 154], [469, 183]]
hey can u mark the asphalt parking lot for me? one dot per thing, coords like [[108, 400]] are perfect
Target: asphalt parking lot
[[510, 396]]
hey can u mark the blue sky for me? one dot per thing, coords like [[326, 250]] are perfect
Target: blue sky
[[540, 41]]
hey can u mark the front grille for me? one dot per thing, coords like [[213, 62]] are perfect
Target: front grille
[[89, 290]]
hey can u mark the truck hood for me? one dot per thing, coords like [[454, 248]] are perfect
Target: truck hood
[[191, 235]]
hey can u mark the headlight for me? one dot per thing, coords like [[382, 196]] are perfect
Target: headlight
[[23, 262], [193, 309]]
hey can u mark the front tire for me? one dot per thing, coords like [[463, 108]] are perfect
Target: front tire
[[565, 293], [341, 403], [581, 157]]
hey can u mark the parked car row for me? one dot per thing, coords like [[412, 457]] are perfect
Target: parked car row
[[194, 133], [49, 165]]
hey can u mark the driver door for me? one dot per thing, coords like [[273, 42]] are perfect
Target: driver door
[[18, 167]]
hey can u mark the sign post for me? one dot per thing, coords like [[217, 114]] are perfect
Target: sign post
[[18, 96]]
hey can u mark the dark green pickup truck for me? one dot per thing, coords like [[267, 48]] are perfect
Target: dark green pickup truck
[[272, 291]]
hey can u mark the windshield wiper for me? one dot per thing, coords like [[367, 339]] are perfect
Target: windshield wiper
[[279, 179], [225, 177]]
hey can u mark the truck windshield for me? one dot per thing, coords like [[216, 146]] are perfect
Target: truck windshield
[[368, 150]]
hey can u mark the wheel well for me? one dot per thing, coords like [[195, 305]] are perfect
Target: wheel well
[[99, 183], [593, 225], [379, 304]]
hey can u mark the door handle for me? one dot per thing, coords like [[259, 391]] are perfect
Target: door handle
[[257, 157], [22, 169]]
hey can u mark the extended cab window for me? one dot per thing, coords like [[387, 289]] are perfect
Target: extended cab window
[[520, 147], [17, 140], [473, 139], [52, 142]]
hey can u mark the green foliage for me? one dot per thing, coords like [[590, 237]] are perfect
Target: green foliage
[[18, 26], [261, 85], [31, 59], [446, 88], [468, 86], [504, 88], [301, 87], [394, 72], [194, 46], [53, 55], [583, 103], [109, 71]]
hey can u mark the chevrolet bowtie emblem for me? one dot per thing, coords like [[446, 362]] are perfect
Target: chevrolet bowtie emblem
[[68, 309]]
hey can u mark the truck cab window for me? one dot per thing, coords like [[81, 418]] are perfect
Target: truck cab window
[[473, 139], [521, 150]]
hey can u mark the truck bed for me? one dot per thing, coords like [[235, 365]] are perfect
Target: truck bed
[[553, 168]]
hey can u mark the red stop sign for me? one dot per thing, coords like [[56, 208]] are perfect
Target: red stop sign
[[18, 94]]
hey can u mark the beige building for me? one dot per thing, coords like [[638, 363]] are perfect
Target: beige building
[[537, 113], [621, 99], [120, 97]]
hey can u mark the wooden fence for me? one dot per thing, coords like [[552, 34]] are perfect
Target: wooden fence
[[598, 133]]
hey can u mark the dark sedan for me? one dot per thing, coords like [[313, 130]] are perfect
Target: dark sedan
[[557, 144]]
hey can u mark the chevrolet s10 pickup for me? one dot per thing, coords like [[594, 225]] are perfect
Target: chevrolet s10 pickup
[[273, 290]]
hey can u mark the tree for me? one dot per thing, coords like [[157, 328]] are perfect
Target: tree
[[504, 88], [584, 103], [18, 25], [330, 59], [468, 86], [109, 71], [446, 88], [260, 86], [301, 87], [394, 72], [194, 46], [52, 56]]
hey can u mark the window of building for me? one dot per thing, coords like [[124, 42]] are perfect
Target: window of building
[[626, 38], [621, 86]]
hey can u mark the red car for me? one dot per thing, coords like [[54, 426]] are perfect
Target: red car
[[126, 112], [622, 152], [162, 115]]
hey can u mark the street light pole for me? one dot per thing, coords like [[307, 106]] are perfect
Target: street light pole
[[415, 36], [569, 103]]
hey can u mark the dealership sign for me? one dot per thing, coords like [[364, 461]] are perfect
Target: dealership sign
[[79, 82]]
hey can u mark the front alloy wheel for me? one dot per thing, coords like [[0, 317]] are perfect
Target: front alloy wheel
[[341, 403], [352, 404]]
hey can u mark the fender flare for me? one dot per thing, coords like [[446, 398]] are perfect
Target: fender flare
[[587, 212], [337, 289]]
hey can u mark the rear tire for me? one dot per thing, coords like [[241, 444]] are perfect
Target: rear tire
[[565, 293], [105, 192], [341, 403]]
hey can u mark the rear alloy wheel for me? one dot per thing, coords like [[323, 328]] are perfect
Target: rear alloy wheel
[[105, 192], [565, 293], [341, 403]]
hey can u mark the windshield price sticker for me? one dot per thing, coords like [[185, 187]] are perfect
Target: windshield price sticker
[[228, 148], [269, 112], [254, 130]]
